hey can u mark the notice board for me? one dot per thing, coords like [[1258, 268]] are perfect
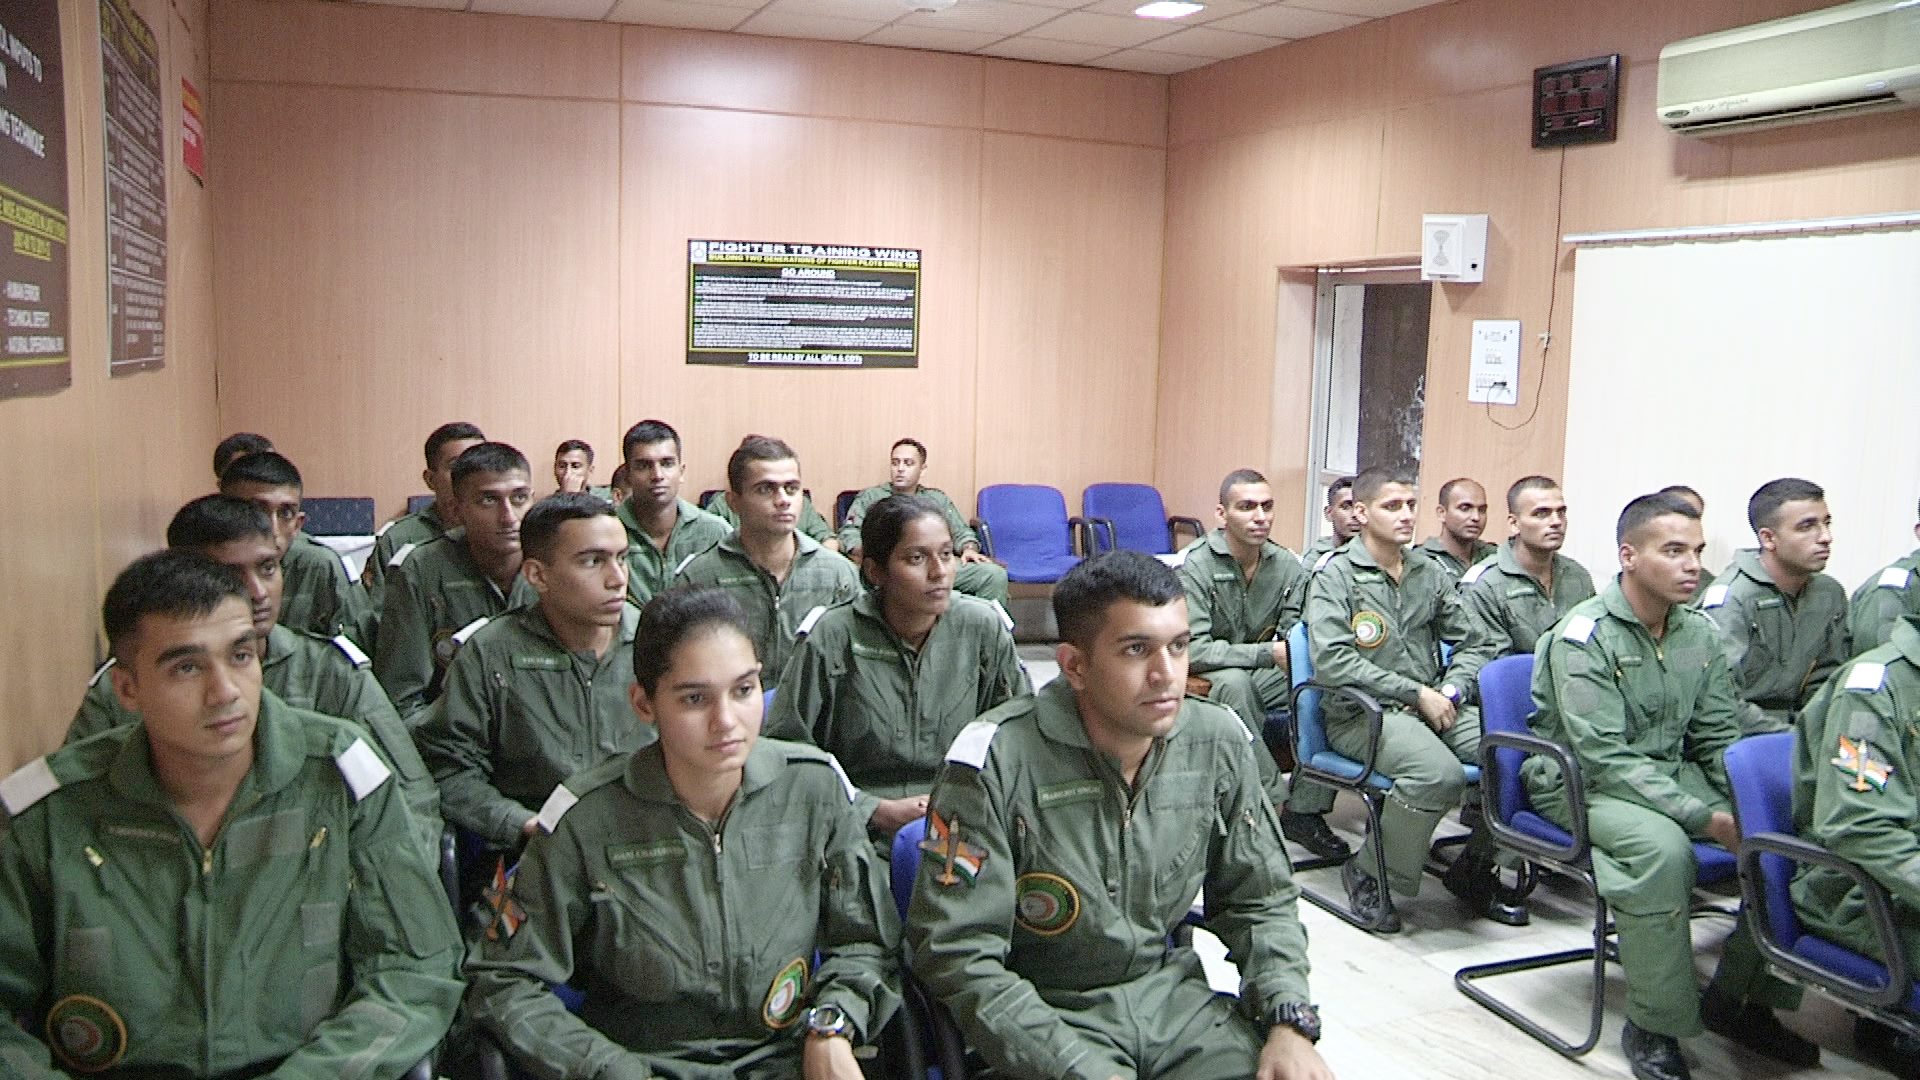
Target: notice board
[[33, 201], [136, 192], [755, 303]]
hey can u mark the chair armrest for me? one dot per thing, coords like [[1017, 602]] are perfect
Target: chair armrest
[[985, 533], [1899, 985], [1081, 533], [450, 868], [1369, 705], [1534, 745], [1094, 525], [1177, 520], [421, 1071]]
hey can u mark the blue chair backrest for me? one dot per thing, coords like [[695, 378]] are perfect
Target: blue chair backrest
[[1760, 768], [842, 503], [1506, 700], [906, 862], [1139, 516], [1026, 519], [1310, 735], [347, 516], [766, 701], [418, 503]]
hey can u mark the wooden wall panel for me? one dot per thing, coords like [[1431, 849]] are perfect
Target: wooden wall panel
[[1075, 103], [390, 260], [1338, 74]]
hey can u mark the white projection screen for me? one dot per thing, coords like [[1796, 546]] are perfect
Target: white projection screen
[[1725, 364]]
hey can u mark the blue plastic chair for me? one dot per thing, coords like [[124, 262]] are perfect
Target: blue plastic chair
[[418, 503], [1132, 516], [1026, 527], [1506, 701], [338, 516], [927, 1022], [842, 505], [1761, 769]]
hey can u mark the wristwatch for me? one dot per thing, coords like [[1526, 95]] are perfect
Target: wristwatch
[[1299, 1016], [828, 1022], [1451, 693]]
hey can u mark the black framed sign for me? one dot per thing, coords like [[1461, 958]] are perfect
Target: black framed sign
[[755, 303], [33, 202], [1577, 102]]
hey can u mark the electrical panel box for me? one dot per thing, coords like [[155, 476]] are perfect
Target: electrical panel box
[[1453, 247]]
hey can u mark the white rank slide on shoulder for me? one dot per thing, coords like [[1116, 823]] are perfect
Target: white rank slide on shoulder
[[1893, 577], [461, 635], [1866, 676], [382, 530], [806, 624], [100, 673], [556, 807], [1579, 629], [683, 564], [345, 644], [28, 785], [1322, 560], [846, 782], [400, 555], [1716, 596], [970, 746], [1006, 620], [1473, 573], [362, 769], [347, 565]]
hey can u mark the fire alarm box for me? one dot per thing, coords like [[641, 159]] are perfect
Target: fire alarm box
[[1453, 247]]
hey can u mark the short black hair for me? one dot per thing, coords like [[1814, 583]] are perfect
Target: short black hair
[[646, 433], [237, 445], [574, 444], [918, 446], [619, 477], [1236, 478], [1684, 492], [675, 615], [1763, 510], [757, 448], [212, 520], [1446, 489], [264, 467], [1081, 599], [887, 520], [1647, 507], [1334, 489], [488, 457], [175, 583], [1370, 481], [541, 527], [457, 431], [1525, 484]]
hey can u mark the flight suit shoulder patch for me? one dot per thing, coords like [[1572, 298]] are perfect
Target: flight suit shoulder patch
[[970, 746], [100, 673], [462, 635], [1578, 629], [1715, 596], [558, 803], [382, 530], [362, 769], [999, 609], [810, 756], [1320, 563], [28, 785], [806, 624], [345, 644], [1893, 577], [1473, 573], [400, 554], [1866, 676]]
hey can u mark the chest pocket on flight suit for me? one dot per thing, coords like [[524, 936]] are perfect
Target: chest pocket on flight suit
[[639, 938], [1183, 820]]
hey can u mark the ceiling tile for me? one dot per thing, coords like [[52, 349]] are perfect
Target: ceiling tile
[[687, 14], [930, 37], [1043, 51], [875, 11], [1154, 63], [998, 17], [819, 27], [1285, 21], [1215, 9], [1115, 30], [594, 10], [443, 5], [1373, 9], [1213, 44], [1060, 5]]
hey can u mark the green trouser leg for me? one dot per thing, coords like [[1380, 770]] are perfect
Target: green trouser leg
[[1743, 975], [1427, 782], [1250, 693], [986, 580]]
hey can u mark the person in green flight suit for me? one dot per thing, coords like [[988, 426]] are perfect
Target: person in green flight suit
[[239, 444], [1377, 613], [1068, 836], [1343, 517], [228, 888], [886, 682], [663, 529], [1634, 684], [1244, 594], [1699, 503], [441, 596], [1854, 794], [1884, 599], [976, 574], [1463, 517], [327, 676], [402, 536], [1784, 623], [713, 895], [782, 578], [321, 595], [540, 693], [573, 467], [1527, 586]]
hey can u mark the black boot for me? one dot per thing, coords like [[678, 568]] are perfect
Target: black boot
[[1477, 882], [1651, 1056], [1889, 1048], [1310, 831], [1366, 898], [1756, 1028]]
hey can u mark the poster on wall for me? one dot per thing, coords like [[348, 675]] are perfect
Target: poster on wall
[[136, 192], [193, 133], [757, 304], [33, 201]]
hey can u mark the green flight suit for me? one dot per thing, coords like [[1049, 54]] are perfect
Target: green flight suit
[[1049, 889], [1782, 649], [319, 596], [649, 569], [1648, 719], [1882, 600], [818, 578], [811, 522], [692, 942], [312, 932], [887, 711], [1235, 623], [396, 539], [986, 580], [1318, 550], [330, 677], [1438, 551], [436, 600], [1375, 635], [1857, 798], [1512, 607], [520, 714]]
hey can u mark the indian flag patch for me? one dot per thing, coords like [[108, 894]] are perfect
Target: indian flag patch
[[960, 861], [1856, 759], [786, 996]]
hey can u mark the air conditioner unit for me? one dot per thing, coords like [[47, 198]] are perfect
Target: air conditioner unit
[[1855, 58]]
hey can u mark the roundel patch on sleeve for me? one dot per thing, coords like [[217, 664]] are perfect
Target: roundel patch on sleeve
[[86, 1034], [787, 996], [1045, 904], [1369, 629]]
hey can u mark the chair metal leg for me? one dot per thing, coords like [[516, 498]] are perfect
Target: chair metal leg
[[1339, 909], [1602, 950]]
